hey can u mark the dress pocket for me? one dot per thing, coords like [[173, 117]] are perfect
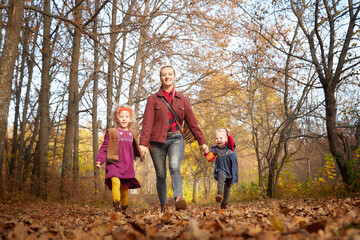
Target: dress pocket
[[110, 160]]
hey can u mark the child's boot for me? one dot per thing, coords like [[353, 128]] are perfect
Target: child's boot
[[116, 204], [223, 205], [219, 197], [123, 209]]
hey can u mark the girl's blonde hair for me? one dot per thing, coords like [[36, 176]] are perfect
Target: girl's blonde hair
[[220, 130], [120, 108]]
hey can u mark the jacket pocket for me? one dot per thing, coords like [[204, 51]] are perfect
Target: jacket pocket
[[181, 112], [157, 108]]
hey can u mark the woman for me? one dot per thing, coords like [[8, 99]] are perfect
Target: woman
[[163, 135]]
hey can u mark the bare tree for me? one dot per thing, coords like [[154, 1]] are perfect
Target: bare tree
[[44, 107], [73, 105], [29, 56], [94, 109], [330, 28], [7, 63], [111, 65]]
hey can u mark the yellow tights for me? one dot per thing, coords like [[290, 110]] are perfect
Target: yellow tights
[[119, 190]]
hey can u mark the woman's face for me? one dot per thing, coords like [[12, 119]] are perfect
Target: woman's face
[[220, 138], [167, 77]]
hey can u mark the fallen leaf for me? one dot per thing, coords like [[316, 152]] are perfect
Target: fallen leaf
[[195, 232], [277, 223], [253, 231], [20, 231], [301, 221], [316, 226]]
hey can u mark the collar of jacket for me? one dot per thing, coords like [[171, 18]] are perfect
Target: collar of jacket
[[160, 93]]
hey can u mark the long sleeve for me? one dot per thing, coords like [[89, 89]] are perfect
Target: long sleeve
[[231, 143], [101, 157], [210, 156], [193, 123], [147, 123]]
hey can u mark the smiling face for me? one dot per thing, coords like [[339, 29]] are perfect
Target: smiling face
[[220, 138], [167, 78], [123, 119]]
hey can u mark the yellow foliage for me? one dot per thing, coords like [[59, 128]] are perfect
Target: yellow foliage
[[322, 179]]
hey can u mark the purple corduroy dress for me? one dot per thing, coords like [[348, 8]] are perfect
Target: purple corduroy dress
[[124, 167]]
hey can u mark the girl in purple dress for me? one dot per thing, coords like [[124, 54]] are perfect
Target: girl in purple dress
[[118, 151]]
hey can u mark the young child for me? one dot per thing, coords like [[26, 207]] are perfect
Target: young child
[[118, 151], [226, 170]]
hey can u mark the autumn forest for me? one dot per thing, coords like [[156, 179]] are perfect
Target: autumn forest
[[283, 76]]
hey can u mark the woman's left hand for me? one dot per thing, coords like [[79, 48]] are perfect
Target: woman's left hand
[[204, 148]]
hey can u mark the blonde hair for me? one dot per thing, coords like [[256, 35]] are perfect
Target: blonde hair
[[167, 66], [220, 130], [123, 108]]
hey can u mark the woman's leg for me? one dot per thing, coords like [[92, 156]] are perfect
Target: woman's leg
[[158, 156], [115, 188], [176, 149]]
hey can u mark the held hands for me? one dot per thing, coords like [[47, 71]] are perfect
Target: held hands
[[144, 150], [204, 148]]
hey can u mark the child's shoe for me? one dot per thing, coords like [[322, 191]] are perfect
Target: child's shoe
[[180, 203], [223, 206], [116, 204], [219, 197], [123, 210]]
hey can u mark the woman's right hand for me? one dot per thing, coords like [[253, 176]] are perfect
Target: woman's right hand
[[144, 150]]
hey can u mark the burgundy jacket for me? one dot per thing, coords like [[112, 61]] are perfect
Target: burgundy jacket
[[156, 119]]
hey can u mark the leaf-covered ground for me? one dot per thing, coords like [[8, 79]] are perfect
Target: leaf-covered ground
[[268, 219]]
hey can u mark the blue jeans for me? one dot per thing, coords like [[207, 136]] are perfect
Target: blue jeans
[[174, 147]]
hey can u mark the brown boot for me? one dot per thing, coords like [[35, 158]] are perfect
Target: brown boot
[[180, 203], [123, 209], [223, 206], [116, 204], [164, 207], [219, 197]]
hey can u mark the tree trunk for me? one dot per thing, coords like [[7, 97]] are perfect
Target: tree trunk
[[44, 105], [121, 72], [139, 54], [29, 154], [95, 126], [139, 90], [15, 142], [76, 157], [195, 187], [341, 156], [72, 109], [111, 64], [270, 191], [7, 63], [30, 65]]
